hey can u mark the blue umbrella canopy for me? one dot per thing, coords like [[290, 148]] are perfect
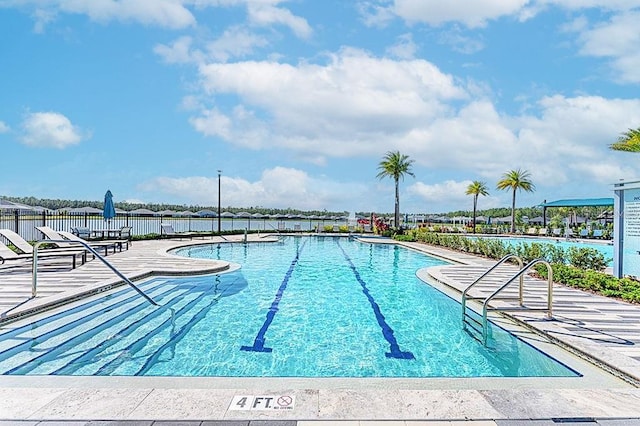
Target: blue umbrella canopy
[[108, 211]]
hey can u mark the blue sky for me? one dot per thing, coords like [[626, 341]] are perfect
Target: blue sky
[[298, 101]]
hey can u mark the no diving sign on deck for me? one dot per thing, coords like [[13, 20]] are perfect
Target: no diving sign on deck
[[262, 402]]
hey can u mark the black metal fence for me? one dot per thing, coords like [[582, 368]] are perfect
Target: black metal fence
[[24, 223]]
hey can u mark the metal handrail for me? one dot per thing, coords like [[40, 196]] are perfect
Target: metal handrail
[[519, 274], [34, 278], [487, 272]]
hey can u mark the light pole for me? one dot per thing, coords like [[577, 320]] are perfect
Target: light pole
[[219, 173]]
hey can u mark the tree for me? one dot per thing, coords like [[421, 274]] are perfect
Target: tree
[[476, 188], [628, 141], [515, 180], [396, 166]]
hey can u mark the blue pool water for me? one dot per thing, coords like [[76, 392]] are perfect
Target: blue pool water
[[309, 307]]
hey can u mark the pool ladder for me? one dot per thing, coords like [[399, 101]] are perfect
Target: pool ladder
[[480, 326], [34, 276]]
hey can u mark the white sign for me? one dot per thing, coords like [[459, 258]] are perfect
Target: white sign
[[262, 402]]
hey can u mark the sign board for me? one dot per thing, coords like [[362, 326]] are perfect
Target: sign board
[[626, 229]]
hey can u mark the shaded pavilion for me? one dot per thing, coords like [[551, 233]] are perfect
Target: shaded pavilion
[[579, 202]]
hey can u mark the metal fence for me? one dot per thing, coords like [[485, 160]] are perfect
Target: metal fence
[[24, 223]]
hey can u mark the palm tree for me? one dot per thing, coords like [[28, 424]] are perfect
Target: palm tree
[[628, 141], [395, 165], [476, 188], [515, 180]]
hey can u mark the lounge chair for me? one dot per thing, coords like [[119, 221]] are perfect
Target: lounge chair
[[96, 245], [556, 232], [598, 233], [532, 231], [584, 233], [167, 231], [82, 232], [543, 232], [125, 233], [26, 249]]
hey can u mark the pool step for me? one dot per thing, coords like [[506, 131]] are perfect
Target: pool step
[[52, 344]]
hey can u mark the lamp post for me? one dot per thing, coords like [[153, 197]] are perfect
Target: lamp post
[[219, 173]]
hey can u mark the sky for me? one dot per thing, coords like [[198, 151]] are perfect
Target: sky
[[296, 102]]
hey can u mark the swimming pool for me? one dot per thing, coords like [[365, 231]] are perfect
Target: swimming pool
[[309, 307]]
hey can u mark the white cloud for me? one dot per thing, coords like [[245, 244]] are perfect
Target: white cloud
[[178, 52], [235, 42], [50, 129], [461, 43], [470, 13], [617, 39], [356, 102], [375, 15], [440, 197], [404, 48], [263, 14], [359, 106], [279, 187], [165, 13], [4, 128]]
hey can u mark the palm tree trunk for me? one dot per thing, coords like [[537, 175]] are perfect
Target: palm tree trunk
[[396, 219], [475, 203], [513, 212]]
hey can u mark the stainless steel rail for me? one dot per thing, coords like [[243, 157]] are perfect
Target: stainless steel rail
[[34, 278], [519, 274], [465, 293]]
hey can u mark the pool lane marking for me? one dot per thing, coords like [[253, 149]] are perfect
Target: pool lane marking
[[387, 331], [258, 343]]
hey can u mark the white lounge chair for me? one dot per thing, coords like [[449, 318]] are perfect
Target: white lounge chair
[[26, 249], [167, 231]]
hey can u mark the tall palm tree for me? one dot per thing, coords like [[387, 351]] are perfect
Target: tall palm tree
[[396, 166], [628, 141], [476, 188], [515, 180]]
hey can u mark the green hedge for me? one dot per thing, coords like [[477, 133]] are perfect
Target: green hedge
[[575, 267]]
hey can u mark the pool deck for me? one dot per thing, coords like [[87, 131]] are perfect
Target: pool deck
[[589, 326]]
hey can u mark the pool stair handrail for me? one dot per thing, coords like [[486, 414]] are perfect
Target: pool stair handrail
[[465, 293], [469, 323], [485, 330], [280, 236], [34, 276]]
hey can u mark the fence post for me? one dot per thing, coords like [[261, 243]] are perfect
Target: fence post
[[17, 221]]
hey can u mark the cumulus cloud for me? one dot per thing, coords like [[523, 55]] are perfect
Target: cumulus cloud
[[439, 197], [4, 128], [173, 14], [50, 129], [353, 103], [617, 39], [165, 13], [359, 106], [274, 189], [404, 48], [472, 14], [264, 14]]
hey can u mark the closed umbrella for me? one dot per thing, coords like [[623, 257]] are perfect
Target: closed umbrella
[[108, 211]]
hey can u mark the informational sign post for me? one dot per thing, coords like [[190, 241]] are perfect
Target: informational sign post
[[626, 229]]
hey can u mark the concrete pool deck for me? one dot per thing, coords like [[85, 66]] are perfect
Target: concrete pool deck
[[589, 326]]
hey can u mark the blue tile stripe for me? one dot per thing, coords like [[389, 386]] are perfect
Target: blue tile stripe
[[258, 343], [387, 331]]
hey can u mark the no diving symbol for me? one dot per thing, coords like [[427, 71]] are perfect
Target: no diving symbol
[[284, 401]]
